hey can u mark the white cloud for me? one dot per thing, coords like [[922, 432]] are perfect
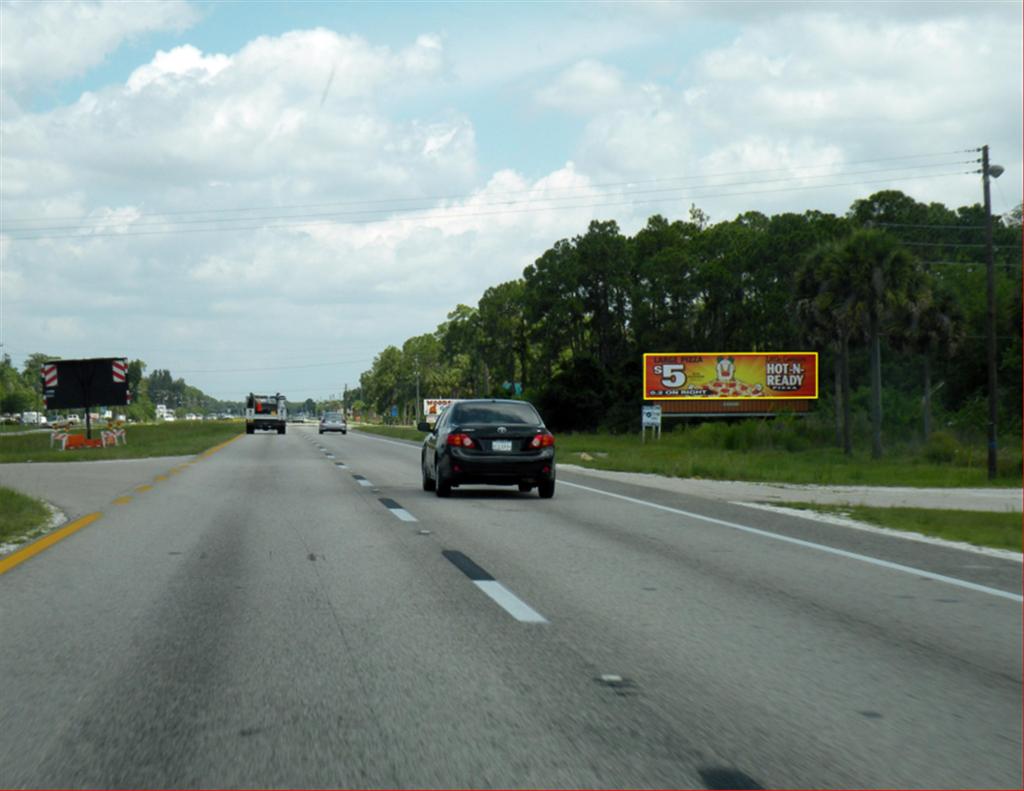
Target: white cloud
[[339, 127], [44, 42], [585, 87], [794, 92], [181, 62]]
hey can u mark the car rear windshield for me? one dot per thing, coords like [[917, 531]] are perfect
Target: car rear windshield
[[265, 405], [508, 414], [332, 416]]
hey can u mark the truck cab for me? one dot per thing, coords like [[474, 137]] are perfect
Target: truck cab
[[265, 413]]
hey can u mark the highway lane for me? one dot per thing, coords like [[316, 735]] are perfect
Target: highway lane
[[263, 618]]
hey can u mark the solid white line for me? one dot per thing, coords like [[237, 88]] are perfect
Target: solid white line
[[810, 545], [404, 515], [363, 482], [511, 603], [907, 535], [409, 443]]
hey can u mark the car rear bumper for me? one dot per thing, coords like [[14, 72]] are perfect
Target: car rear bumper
[[500, 469]]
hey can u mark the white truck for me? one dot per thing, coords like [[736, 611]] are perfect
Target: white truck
[[265, 413]]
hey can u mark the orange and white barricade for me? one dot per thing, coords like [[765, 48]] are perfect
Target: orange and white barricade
[[59, 436], [113, 436]]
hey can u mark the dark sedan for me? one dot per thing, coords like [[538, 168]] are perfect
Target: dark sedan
[[491, 442]]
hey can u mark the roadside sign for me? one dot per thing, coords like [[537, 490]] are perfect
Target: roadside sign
[[650, 418], [678, 376], [433, 407]]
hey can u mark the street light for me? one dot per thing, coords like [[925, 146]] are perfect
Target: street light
[[993, 171]]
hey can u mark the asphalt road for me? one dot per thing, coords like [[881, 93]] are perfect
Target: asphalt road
[[272, 616]]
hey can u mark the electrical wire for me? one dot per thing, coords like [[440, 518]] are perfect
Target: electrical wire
[[536, 189], [151, 221], [299, 221]]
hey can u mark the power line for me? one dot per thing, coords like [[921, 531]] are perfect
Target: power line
[[959, 244], [276, 368], [151, 221], [924, 225], [547, 188], [301, 221], [969, 263]]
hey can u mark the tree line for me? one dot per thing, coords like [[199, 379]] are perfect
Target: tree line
[[891, 294]]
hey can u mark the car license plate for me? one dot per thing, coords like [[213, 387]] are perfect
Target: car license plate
[[501, 444]]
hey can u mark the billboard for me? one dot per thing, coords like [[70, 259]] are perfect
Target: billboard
[[69, 384], [679, 376], [433, 407]]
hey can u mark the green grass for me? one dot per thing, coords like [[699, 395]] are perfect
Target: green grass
[[163, 439], [20, 516], [395, 432], [982, 528], [761, 452]]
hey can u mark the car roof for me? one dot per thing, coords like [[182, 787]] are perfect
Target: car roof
[[490, 401]]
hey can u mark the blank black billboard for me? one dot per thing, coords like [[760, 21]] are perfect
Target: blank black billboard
[[69, 384]]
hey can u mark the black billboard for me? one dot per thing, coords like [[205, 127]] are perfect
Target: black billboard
[[70, 384]]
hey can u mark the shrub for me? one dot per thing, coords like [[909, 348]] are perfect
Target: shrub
[[943, 447]]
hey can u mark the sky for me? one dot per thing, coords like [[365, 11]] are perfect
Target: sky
[[263, 196]]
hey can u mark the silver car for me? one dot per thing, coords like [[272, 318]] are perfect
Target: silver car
[[333, 421]]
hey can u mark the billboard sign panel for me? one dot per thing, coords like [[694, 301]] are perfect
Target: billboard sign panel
[[433, 407], [678, 376], [70, 384]]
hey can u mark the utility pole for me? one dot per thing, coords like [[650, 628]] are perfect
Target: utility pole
[[990, 282], [418, 403]]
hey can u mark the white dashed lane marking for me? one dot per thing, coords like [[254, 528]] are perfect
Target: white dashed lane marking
[[397, 510], [497, 592]]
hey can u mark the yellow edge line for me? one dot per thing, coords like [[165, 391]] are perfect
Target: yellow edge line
[[20, 556], [122, 500], [143, 488], [215, 448]]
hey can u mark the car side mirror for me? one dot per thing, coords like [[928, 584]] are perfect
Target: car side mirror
[[424, 426]]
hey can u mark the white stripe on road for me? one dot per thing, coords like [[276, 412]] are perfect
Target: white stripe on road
[[508, 601], [810, 545], [409, 443], [363, 482], [404, 515]]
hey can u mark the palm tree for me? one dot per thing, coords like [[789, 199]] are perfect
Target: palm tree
[[878, 274], [830, 317], [932, 323]]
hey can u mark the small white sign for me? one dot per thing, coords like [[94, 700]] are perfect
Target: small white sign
[[650, 415]]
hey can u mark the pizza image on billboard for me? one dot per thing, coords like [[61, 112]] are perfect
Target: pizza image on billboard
[[678, 376]]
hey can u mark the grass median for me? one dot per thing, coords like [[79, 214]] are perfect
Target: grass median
[[21, 516], [144, 441], [981, 528], [696, 454]]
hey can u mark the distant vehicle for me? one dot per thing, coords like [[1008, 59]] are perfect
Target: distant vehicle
[[488, 441], [333, 421], [169, 417], [33, 419], [265, 413]]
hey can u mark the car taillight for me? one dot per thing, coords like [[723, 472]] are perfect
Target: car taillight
[[461, 441], [542, 441]]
